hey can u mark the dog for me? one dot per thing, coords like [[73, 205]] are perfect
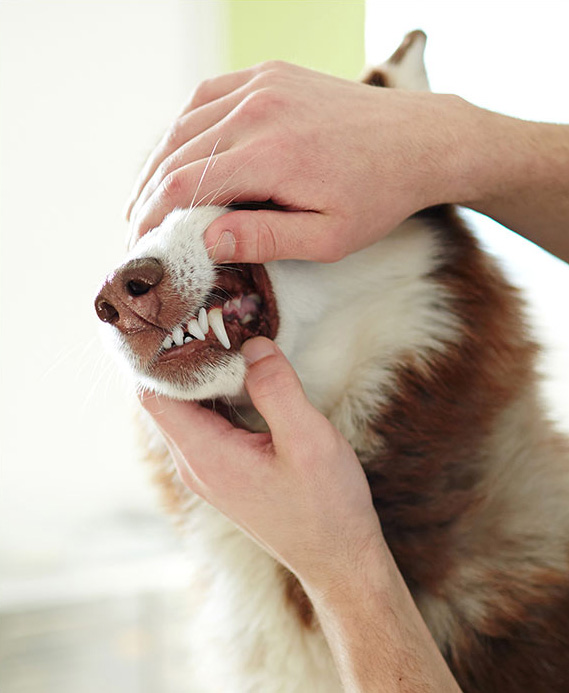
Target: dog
[[416, 349]]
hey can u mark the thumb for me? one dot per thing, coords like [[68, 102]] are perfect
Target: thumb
[[266, 235], [276, 392]]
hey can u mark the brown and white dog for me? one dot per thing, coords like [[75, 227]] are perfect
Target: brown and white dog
[[416, 349]]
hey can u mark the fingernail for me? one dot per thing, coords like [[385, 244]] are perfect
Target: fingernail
[[224, 248], [258, 348]]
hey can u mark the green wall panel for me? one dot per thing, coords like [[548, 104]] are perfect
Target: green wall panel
[[323, 35]]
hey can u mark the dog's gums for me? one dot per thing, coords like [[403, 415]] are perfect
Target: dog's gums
[[242, 315]]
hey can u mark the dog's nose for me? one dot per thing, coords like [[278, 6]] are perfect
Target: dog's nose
[[128, 295]]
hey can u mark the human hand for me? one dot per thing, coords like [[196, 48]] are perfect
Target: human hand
[[299, 491], [348, 161]]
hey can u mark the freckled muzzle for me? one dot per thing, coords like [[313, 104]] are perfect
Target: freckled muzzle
[[173, 336], [241, 305]]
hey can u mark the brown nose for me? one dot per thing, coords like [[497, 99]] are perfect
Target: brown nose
[[128, 297]]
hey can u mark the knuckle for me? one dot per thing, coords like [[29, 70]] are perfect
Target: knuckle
[[172, 185], [267, 246], [166, 167], [263, 101], [275, 381], [202, 93], [274, 66], [174, 135]]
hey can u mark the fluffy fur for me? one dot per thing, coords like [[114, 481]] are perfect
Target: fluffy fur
[[416, 349]]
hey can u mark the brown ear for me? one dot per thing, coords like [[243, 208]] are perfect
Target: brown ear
[[375, 78], [414, 42], [405, 69]]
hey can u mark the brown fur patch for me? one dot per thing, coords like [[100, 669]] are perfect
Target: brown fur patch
[[174, 495], [436, 431], [296, 597], [439, 417], [376, 78], [525, 650]]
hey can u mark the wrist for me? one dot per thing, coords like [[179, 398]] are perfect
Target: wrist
[[466, 151], [376, 633], [367, 573], [499, 156]]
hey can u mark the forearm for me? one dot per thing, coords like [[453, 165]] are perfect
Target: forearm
[[378, 639], [517, 172]]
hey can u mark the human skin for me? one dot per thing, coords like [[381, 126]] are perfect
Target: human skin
[[300, 492], [348, 162]]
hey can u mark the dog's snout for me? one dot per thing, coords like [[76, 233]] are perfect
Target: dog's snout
[[105, 310], [139, 276], [127, 296]]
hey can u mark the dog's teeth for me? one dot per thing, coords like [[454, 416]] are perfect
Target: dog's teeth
[[215, 318], [195, 330], [202, 321], [187, 340], [178, 336], [246, 319], [237, 302], [255, 297], [167, 343]]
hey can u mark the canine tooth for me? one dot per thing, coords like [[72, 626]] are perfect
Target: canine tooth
[[246, 319], [202, 321], [167, 343], [178, 336], [195, 330], [215, 318]]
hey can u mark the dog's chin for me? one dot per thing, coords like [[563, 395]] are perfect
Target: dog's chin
[[221, 380]]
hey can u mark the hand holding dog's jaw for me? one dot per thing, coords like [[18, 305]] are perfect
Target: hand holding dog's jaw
[[301, 494], [299, 491], [349, 161]]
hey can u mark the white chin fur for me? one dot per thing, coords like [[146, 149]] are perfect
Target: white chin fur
[[223, 380]]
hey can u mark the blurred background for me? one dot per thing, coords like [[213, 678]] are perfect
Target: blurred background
[[92, 576]]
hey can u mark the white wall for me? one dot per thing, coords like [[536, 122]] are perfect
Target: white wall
[[86, 90], [509, 57]]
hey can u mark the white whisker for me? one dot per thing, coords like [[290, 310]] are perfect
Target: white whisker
[[204, 172]]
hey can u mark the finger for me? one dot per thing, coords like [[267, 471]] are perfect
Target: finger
[[200, 436], [277, 394], [266, 235], [218, 87], [177, 418], [207, 450], [203, 147], [184, 130], [220, 179]]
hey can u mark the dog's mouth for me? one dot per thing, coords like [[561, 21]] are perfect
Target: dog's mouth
[[242, 305]]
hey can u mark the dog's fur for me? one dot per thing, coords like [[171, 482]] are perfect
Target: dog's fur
[[416, 349]]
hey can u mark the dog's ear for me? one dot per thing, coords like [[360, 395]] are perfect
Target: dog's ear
[[405, 69]]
